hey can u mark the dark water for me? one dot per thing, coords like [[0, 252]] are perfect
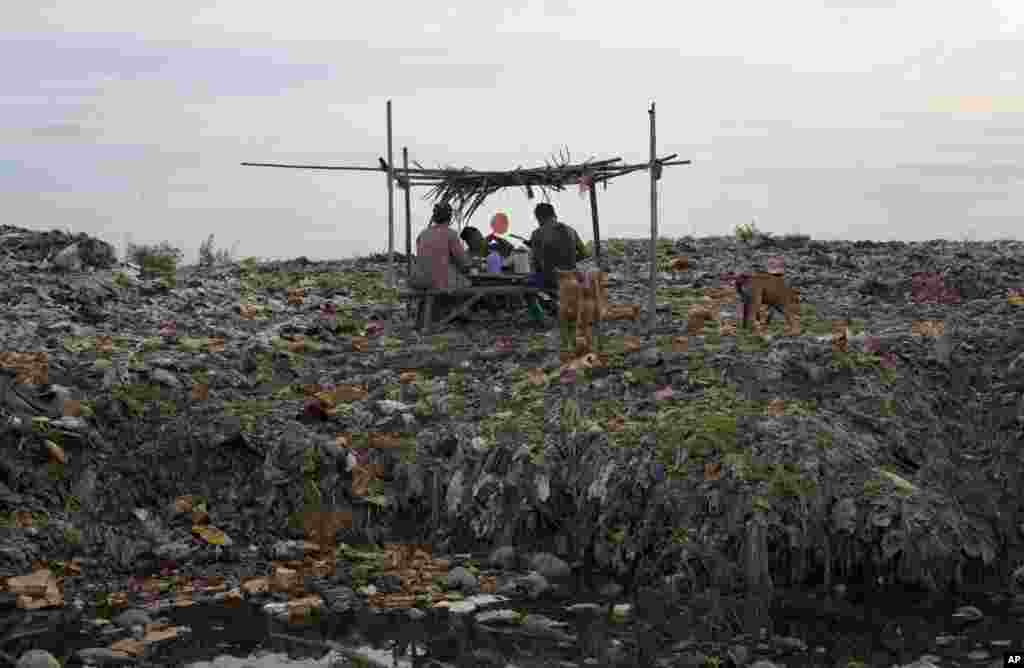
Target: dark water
[[892, 627], [245, 631], [896, 626]]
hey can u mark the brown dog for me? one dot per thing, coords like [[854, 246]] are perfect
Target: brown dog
[[681, 263], [583, 299], [697, 316], [771, 291]]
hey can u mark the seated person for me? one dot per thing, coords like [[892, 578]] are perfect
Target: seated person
[[441, 263], [554, 246], [505, 247], [479, 245], [474, 241]]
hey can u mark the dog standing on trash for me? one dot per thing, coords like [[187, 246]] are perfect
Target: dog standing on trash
[[767, 289], [583, 300]]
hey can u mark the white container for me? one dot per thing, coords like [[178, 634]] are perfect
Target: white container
[[521, 263]]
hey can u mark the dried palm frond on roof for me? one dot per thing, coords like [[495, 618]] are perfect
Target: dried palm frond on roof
[[467, 189]]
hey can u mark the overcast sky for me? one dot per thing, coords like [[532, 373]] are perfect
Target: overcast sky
[[839, 119]]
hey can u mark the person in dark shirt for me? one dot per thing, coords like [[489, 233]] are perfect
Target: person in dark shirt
[[474, 241], [554, 246], [479, 245]]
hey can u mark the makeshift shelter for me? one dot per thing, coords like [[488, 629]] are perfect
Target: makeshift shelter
[[466, 189]]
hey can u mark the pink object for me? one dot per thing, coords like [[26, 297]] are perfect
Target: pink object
[[374, 328], [776, 265], [664, 393], [929, 287], [739, 280], [499, 224]]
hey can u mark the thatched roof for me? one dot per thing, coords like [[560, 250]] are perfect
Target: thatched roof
[[466, 189]]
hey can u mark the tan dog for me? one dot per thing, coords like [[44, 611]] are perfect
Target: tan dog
[[621, 312], [697, 316], [681, 263], [583, 299], [769, 290]]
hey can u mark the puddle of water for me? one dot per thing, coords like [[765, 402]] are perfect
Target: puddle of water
[[245, 637], [896, 627], [265, 661], [891, 629], [335, 658]]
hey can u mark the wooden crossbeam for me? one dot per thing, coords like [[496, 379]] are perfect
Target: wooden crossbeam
[[601, 171]]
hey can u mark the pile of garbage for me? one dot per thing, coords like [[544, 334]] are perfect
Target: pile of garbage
[[268, 390]]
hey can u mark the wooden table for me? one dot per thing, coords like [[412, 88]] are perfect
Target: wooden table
[[504, 278], [492, 285]]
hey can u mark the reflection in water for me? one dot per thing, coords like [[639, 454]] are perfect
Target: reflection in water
[[802, 628]]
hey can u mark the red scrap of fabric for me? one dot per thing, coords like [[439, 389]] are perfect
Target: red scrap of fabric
[[314, 410], [734, 279]]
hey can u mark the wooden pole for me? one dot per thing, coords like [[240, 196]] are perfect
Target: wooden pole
[[343, 169], [597, 229], [408, 213], [391, 206], [652, 301]]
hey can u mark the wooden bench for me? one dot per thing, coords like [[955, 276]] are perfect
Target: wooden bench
[[425, 299]]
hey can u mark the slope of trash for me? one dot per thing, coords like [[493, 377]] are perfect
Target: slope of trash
[[278, 432]]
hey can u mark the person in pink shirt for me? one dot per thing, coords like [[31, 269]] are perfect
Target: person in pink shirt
[[441, 262], [440, 254]]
